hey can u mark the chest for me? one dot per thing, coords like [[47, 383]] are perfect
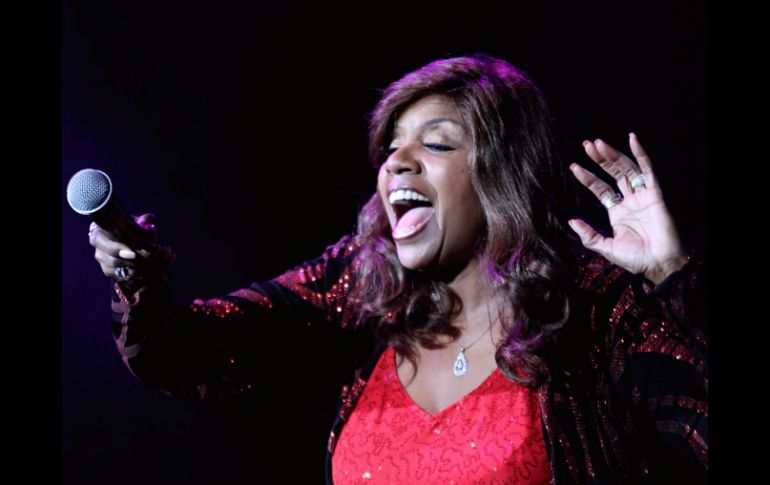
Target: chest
[[494, 435], [432, 384]]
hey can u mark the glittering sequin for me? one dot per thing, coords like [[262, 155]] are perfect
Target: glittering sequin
[[492, 435], [217, 307], [350, 395], [562, 451], [333, 298], [254, 297]]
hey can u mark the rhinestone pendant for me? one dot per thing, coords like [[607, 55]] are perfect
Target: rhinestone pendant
[[461, 365]]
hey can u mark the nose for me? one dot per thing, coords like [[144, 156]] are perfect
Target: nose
[[402, 160]]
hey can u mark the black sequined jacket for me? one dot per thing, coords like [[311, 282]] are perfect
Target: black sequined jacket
[[626, 402]]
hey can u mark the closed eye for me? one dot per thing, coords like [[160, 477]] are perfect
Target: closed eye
[[436, 147], [439, 148]]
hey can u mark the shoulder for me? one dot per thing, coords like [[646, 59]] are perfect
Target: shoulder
[[348, 245]]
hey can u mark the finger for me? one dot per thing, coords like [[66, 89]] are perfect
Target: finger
[[589, 237], [619, 166], [601, 189], [111, 261], [92, 228], [645, 164], [100, 239], [110, 265]]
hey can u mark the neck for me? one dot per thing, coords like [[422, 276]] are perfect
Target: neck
[[478, 313]]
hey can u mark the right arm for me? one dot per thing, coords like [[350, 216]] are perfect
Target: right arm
[[210, 349]]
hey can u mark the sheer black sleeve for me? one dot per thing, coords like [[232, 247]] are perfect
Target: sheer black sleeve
[[215, 348]]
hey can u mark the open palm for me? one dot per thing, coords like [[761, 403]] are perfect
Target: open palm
[[644, 238]]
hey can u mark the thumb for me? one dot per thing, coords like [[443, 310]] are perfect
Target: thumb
[[588, 236]]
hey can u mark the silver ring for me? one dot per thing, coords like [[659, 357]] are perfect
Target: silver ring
[[611, 201], [120, 273], [638, 181]]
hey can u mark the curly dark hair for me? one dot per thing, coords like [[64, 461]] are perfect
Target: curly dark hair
[[527, 252]]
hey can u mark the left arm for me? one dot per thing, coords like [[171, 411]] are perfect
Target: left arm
[[660, 363], [657, 339]]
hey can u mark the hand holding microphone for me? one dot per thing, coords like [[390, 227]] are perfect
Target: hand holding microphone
[[127, 247], [116, 258]]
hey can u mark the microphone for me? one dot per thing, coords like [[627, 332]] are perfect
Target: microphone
[[89, 193]]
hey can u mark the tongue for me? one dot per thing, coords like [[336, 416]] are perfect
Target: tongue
[[413, 217]]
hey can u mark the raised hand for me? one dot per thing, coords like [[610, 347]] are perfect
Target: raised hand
[[645, 239]]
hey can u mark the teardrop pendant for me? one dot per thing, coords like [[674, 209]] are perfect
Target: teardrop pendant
[[461, 365]]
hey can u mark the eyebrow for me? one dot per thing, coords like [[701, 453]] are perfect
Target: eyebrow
[[434, 121]]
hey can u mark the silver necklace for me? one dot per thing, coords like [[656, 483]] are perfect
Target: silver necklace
[[461, 363]]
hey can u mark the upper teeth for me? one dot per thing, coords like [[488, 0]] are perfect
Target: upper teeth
[[406, 194]]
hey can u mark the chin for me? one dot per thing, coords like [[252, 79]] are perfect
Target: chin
[[417, 256]]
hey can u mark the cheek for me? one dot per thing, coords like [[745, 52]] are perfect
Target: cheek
[[470, 214], [382, 183], [459, 192]]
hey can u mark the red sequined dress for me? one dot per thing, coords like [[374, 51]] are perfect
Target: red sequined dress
[[491, 435]]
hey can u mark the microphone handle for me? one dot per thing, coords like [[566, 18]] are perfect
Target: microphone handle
[[114, 218]]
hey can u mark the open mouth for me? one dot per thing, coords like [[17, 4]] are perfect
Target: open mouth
[[401, 207], [405, 199], [413, 212]]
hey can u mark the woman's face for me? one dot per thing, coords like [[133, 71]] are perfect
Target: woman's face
[[429, 154]]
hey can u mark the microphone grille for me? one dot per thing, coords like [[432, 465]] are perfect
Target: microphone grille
[[88, 190]]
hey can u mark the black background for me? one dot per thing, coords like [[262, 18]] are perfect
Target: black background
[[242, 127]]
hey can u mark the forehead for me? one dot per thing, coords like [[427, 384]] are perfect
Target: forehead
[[430, 112]]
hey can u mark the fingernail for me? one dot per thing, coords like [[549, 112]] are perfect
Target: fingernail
[[127, 254], [586, 142], [631, 134], [596, 142]]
